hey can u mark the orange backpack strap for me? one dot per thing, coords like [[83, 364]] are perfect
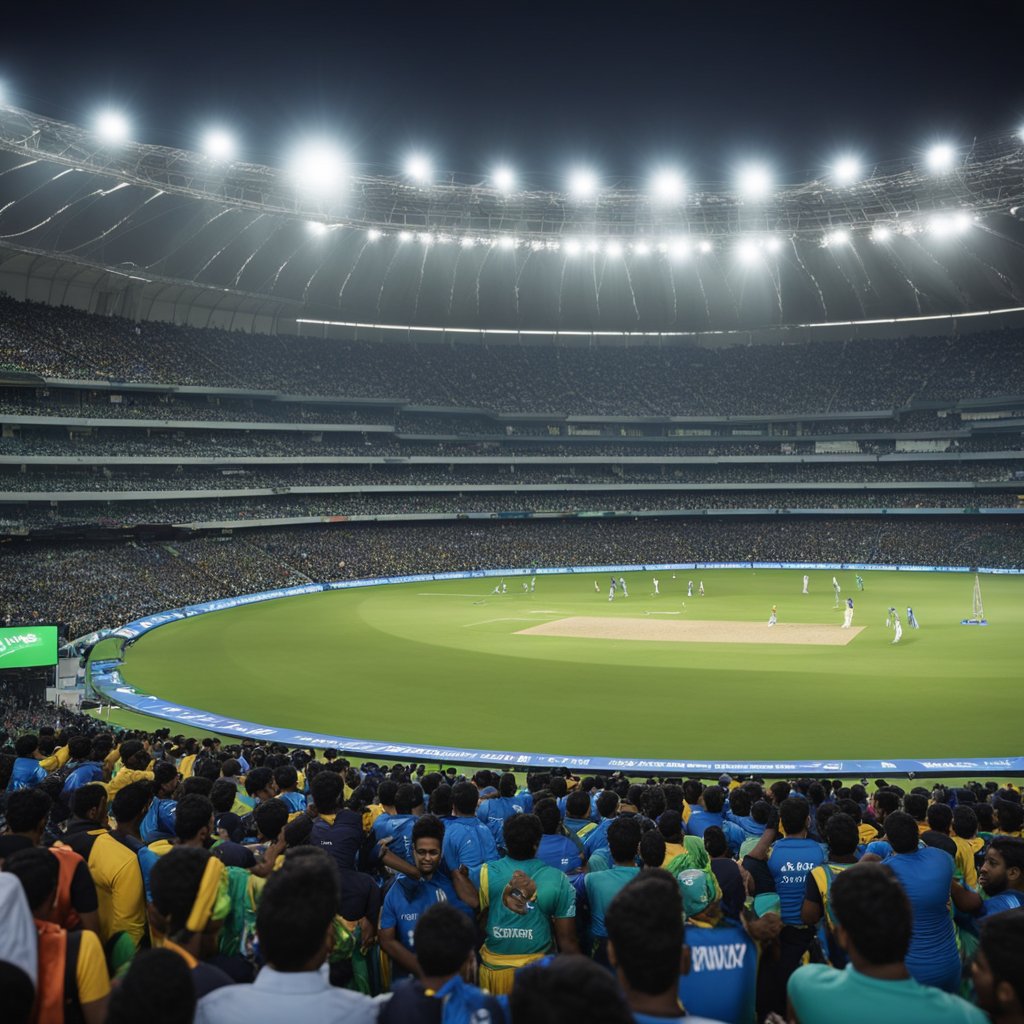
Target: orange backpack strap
[[52, 968], [63, 912]]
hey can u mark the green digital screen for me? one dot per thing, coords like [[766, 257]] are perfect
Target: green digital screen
[[27, 646]]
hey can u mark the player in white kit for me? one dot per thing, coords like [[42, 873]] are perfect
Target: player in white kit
[[899, 631], [597, 587], [848, 614], [533, 584], [773, 618], [837, 589], [655, 586], [807, 580], [689, 588], [622, 584], [700, 588]]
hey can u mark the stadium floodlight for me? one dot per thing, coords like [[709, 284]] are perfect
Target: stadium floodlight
[[754, 181], [773, 244], [846, 170], [880, 233], [940, 225], [426, 238], [506, 242], [405, 236], [112, 126], [940, 157], [704, 246], [837, 238], [317, 166], [667, 185], [641, 249], [419, 168], [573, 247], [746, 252], [219, 144], [467, 241], [316, 229], [679, 249], [593, 246], [962, 221], [504, 178], [373, 234], [582, 183], [613, 249]]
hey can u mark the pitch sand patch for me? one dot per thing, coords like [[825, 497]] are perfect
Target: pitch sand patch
[[699, 632]]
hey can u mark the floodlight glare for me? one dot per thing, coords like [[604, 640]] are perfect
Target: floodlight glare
[[679, 249], [418, 168], [316, 228], [112, 126], [747, 252], [846, 170], [704, 245], [467, 242], [940, 157], [641, 248], [504, 179], [582, 183], [880, 233], [940, 226], [373, 234], [405, 236], [773, 245], [837, 238], [218, 144], [613, 249], [507, 242], [754, 181], [317, 166], [962, 221], [592, 246], [573, 247], [426, 238], [667, 185]]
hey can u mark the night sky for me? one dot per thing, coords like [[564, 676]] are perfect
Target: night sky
[[622, 87]]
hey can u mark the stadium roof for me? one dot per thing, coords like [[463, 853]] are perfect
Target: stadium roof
[[85, 214]]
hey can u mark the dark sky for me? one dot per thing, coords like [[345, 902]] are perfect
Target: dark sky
[[620, 86]]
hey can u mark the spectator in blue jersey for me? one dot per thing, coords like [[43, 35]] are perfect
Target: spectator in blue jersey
[[287, 778], [441, 802], [444, 986], [601, 887], [781, 865], [926, 875], [27, 770], [409, 897], [336, 829], [467, 840], [557, 848], [719, 972], [710, 812], [398, 827], [159, 820], [1001, 878], [738, 812], [998, 968], [873, 925], [727, 872], [645, 940], [596, 842], [577, 814], [493, 811], [842, 836]]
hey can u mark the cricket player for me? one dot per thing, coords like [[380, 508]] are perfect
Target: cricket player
[[656, 586], [597, 587], [774, 616], [889, 616], [807, 580], [837, 589], [860, 582], [611, 590], [504, 587], [622, 584], [899, 630], [848, 614], [526, 588], [911, 621], [700, 588], [533, 584], [497, 588], [689, 589]]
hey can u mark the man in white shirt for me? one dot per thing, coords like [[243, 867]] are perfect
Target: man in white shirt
[[295, 926]]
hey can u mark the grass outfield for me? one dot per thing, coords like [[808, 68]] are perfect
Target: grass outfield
[[443, 663]]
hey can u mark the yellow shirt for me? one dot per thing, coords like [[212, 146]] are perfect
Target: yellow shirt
[[125, 777], [56, 760], [91, 969]]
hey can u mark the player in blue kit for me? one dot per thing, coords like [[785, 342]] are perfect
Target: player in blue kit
[[467, 841], [398, 826]]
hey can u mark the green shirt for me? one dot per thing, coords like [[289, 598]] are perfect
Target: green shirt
[[511, 934], [602, 888], [822, 995]]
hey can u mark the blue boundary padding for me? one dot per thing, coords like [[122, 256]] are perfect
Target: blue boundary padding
[[105, 679]]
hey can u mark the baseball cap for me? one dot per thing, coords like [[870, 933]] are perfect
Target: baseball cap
[[696, 891]]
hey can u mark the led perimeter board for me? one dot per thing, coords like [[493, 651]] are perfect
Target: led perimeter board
[[27, 646]]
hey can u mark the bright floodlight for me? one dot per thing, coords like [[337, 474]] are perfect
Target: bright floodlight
[[641, 248], [218, 144], [582, 183], [961, 221], [940, 157], [747, 252], [754, 181], [704, 245], [773, 244], [679, 249], [418, 168], [112, 126], [316, 228], [405, 236], [504, 179], [467, 242], [613, 248], [317, 166], [573, 247], [667, 185], [837, 238], [506, 242], [846, 170], [880, 233], [373, 234]]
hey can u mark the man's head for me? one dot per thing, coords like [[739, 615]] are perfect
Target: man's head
[[165, 780], [522, 834], [608, 803], [134, 755], [1009, 816], [427, 841], [939, 818], [624, 840], [270, 816], [794, 815], [193, 819], [465, 797], [89, 803], [445, 939], [884, 802], [507, 785], [740, 802], [260, 784], [286, 777], [652, 848], [1003, 867], [37, 870], [79, 748], [27, 745], [27, 813], [326, 790], [295, 919], [872, 914], [902, 832], [645, 933], [965, 821], [131, 803], [916, 805], [670, 825], [567, 988], [231, 768], [386, 793], [714, 799], [841, 835], [577, 805], [547, 812], [174, 884], [998, 966], [407, 796]]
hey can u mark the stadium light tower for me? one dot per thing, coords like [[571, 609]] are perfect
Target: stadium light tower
[[219, 144], [940, 157], [112, 126], [582, 183], [880, 233], [504, 178], [419, 168], [846, 170], [754, 181], [318, 167], [667, 185]]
